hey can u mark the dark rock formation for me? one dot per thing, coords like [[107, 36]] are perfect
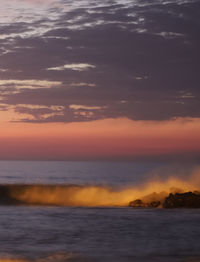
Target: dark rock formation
[[154, 204], [140, 203], [137, 203], [184, 200]]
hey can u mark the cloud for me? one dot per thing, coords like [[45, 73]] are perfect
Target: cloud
[[97, 55], [75, 67], [30, 84]]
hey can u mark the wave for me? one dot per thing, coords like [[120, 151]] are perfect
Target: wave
[[95, 195]]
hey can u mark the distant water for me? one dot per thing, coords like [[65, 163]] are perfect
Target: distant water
[[83, 172], [48, 233]]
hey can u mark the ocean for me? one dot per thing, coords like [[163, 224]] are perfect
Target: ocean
[[78, 211]]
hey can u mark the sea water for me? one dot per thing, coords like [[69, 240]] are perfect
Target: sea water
[[39, 232]]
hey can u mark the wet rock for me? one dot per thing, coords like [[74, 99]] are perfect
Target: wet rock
[[154, 204], [182, 200], [137, 203], [140, 203]]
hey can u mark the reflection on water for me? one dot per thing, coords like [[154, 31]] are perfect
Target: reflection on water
[[57, 257], [99, 234]]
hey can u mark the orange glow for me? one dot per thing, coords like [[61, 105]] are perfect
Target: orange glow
[[12, 260], [99, 139], [58, 257], [91, 195]]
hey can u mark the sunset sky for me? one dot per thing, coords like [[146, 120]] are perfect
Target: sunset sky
[[99, 79]]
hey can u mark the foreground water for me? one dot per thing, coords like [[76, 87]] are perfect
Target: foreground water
[[74, 233]]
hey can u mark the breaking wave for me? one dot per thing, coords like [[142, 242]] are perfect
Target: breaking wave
[[94, 195]]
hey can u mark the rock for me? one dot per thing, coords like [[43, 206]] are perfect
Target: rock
[[137, 203], [154, 204], [140, 203], [182, 200]]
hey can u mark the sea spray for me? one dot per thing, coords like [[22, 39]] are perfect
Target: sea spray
[[95, 195]]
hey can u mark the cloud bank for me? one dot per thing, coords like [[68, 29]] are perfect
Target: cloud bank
[[132, 59]]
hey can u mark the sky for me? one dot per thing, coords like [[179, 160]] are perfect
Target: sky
[[99, 79]]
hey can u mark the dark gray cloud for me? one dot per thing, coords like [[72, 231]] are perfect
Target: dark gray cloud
[[135, 59]]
